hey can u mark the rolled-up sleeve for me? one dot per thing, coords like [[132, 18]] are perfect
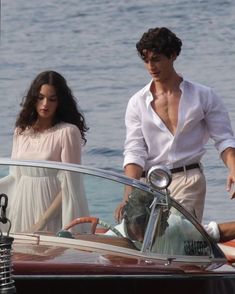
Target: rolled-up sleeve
[[135, 149], [218, 123]]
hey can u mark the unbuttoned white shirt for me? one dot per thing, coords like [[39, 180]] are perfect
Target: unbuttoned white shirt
[[201, 115]]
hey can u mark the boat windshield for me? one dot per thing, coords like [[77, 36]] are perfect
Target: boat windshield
[[47, 199], [171, 232]]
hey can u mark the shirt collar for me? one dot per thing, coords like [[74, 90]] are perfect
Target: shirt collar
[[148, 94]]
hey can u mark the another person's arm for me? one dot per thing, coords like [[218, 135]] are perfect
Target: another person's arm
[[227, 231], [221, 232], [133, 171]]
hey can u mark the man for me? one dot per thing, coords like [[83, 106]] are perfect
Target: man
[[169, 121], [172, 229]]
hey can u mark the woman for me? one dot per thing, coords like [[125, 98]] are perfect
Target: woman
[[49, 127]]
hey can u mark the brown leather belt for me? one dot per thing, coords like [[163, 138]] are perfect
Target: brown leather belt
[[179, 169]]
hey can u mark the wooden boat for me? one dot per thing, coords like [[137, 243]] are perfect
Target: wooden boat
[[159, 245]]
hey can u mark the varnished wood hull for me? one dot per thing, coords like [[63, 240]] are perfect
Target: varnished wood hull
[[65, 268]]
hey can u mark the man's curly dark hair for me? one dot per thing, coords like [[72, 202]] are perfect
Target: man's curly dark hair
[[160, 41]]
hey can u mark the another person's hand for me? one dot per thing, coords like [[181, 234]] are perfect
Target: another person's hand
[[118, 215]]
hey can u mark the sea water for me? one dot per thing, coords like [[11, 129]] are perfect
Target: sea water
[[92, 43]]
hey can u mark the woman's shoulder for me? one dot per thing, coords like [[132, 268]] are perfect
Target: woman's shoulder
[[68, 128], [18, 131]]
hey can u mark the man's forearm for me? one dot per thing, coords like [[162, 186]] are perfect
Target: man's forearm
[[133, 171]]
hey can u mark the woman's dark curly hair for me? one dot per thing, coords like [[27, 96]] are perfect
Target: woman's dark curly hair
[[67, 110], [160, 41]]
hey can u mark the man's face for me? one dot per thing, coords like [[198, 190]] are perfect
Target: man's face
[[159, 66], [136, 232]]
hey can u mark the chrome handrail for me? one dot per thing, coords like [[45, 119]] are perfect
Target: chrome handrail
[[114, 176]]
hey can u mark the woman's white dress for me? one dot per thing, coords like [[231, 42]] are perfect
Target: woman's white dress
[[32, 190]]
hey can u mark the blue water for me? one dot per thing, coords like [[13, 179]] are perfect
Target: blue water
[[92, 43]]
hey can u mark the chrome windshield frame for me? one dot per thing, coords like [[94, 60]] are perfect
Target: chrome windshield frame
[[153, 222], [116, 177]]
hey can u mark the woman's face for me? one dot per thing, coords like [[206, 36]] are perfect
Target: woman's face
[[47, 102]]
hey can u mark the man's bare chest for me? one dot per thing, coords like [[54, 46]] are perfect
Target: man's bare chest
[[167, 108]]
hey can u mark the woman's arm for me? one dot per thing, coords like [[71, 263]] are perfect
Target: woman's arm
[[71, 142], [50, 213], [70, 153]]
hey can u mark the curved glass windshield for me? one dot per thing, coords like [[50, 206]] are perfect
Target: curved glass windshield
[[170, 232], [47, 200], [175, 234]]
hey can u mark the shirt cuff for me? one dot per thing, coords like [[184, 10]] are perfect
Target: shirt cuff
[[213, 231], [133, 159], [228, 143]]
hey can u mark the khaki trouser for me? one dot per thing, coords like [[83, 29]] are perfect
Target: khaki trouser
[[189, 189]]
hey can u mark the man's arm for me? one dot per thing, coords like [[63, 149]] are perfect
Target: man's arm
[[133, 170]]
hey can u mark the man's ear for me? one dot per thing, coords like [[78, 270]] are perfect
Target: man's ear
[[173, 57]]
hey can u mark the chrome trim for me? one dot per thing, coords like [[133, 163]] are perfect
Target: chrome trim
[[183, 277], [154, 170], [114, 176], [153, 220]]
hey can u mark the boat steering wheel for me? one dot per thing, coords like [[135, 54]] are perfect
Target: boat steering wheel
[[94, 222]]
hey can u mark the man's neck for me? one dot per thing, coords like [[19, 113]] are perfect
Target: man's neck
[[171, 84]]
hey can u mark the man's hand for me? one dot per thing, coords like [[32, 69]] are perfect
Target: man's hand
[[228, 157], [230, 185]]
